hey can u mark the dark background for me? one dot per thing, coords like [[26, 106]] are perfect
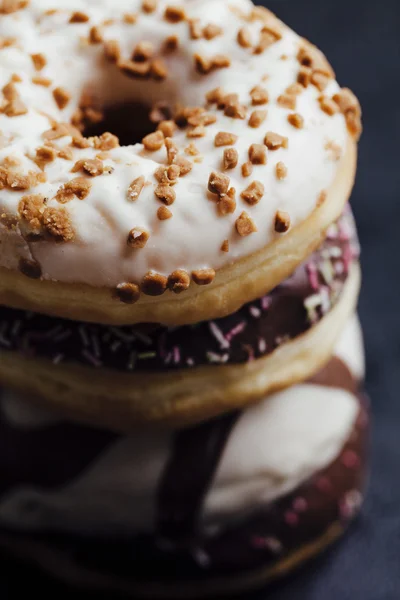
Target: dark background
[[362, 40]]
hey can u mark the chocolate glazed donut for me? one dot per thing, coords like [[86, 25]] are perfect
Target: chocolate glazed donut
[[184, 554]]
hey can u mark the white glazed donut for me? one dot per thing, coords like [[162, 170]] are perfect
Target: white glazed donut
[[241, 193]]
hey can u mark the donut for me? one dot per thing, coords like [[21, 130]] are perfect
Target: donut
[[223, 506], [178, 375], [251, 157]]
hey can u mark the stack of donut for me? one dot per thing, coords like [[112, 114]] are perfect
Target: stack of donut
[[182, 366]]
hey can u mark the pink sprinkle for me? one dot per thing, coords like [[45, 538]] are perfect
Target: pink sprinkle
[[313, 276], [266, 302], [300, 505], [347, 258], [350, 460], [324, 485], [235, 331], [255, 312], [291, 518], [177, 355]]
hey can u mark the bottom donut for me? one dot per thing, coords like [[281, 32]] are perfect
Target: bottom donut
[[222, 507]]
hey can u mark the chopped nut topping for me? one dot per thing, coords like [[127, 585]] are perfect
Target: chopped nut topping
[[174, 14], [287, 101], [201, 118], [259, 96], [143, 51], [274, 141], [158, 69], [154, 284], [196, 132], [79, 187], [79, 17], [310, 56], [304, 76], [107, 141], [281, 170], [130, 18], [137, 238], [247, 169], [56, 222], [112, 50], [334, 149], [153, 141], [328, 106], [215, 96], [135, 70], [350, 107], [7, 42], [269, 35], [43, 81], [31, 210], [321, 198], [282, 221], [245, 225], [203, 276], [167, 175], [206, 65], [166, 194], [128, 293], [253, 193], [225, 139], [172, 150], [230, 159], [66, 153], [225, 246], [227, 204], [14, 107], [257, 118], [92, 166], [44, 155], [62, 97], [149, 6], [296, 120], [295, 89], [258, 154], [192, 149], [163, 213], [167, 128], [178, 281], [39, 61], [195, 29], [218, 183], [30, 268], [244, 38], [212, 31], [10, 6], [171, 43], [320, 80], [135, 189], [184, 164]]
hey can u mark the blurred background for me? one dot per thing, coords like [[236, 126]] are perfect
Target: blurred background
[[362, 40]]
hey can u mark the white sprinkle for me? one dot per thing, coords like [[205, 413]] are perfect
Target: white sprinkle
[[255, 312], [219, 336], [92, 359], [262, 345], [84, 335], [217, 358], [115, 346], [57, 359], [16, 327], [131, 361]]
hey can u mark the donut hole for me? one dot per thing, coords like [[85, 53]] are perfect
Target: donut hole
[[129, 121]]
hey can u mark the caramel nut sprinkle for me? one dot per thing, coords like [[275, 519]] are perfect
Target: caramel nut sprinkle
[[30, 268], [225, 139], [167, 175], [135, 70], [43, 81], [39, 61], [112, 50], [230, 158], [45, 154], [281, 170], [56, 222], [184, 165], [348, 105], [215, 96], [128, 293], [171, 43], [257, 118], [79, 17], [225, 246], [227, 204], [31, 210], [321, 198], [62, 97], [247, 169], [163, 213], [245, 225], [178, 281], [253, 193], [259, 95], [287, 101], [295, 89], [282, 221], [7, 7], [137, 238], [203, 276], [244, 38], [79, 187], [192, 150], [166, 194], [304, 76], [195, 29], [172, 150], [143, 51], [174, 14], [158, 69], [167, 128], [92, 166], [258, 154], [212, 31], [95, 35], [149, 6], [296, 120], [320, 81], [328, 106], [153, 141], [107, 141], [154, 284], [196, 132], [218, 183], [274, 141]]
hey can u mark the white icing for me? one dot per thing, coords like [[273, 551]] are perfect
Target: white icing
[[274, 447], [192, 238]]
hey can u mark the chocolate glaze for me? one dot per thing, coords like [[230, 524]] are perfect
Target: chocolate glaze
[[181, 549], [255, 330]]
